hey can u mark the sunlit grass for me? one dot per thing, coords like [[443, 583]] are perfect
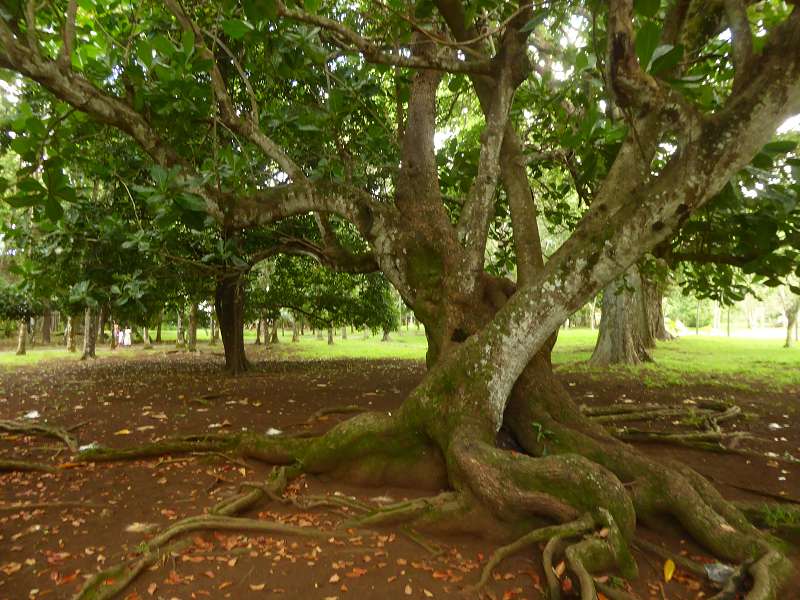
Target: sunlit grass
[[756, 364]]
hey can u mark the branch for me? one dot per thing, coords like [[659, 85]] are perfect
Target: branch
[[65, 55], [374, 53], [711, 258], [632, 87], [247, 127], [742, 41]]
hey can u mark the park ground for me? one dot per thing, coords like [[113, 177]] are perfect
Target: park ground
[[56, 528]]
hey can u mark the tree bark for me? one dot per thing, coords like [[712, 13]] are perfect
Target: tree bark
[[70, 333], [344, 332], [147, 344], [229, 306], [158, 326], [624, 335], [193, 328], [22, 337], [180, 336], [47, 326], [101, 324], [213, 337], [385, 337], [653, 299], [330, 335], [258, 334], [90, 323], [295, 331], [791, 322], [274, 337]]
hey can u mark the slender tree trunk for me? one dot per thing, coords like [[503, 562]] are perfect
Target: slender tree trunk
[[193, 328], [274, 338], [90, 323], [146, 337], [180, 336], [624, 334], [385, 337], [22, 337], [213, 337], [258, 333], [158, 326], [229, 306], [47, 326], [344, 332], [295, 331], [302, 326], [70, 333], [101, 323], [330, 335], [113, 337], [791, 322]]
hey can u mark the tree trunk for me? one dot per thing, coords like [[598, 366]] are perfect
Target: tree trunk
[[624, 335], [90, 323], [70, 333], [22, 337], [229, 306], [330, 335], [344, 332], [653, 298], [158, 326], [101, 323], [385, 337], [193, 328], [791, 322], [213, 337], [258, 333], [47, 326], [274, 338], [180, 336], [302, 327], [146, 337], [295, 331], [319, 334]]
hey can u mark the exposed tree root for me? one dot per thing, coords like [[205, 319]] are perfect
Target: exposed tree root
[[41, 505], [24, 465], [334, 410], [41, 429], [578, 526], [110, 582]]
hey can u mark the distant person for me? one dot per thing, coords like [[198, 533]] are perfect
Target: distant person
[[120, 336], [116, 333], [127, 337]]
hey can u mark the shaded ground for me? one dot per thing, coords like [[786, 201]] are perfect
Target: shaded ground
[[106, 510]]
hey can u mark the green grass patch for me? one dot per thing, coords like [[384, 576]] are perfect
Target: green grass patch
[[746, 364]]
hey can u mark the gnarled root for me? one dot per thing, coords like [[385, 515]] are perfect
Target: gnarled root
[[41, 429], [24, 465]]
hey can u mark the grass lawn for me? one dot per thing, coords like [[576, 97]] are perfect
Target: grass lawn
[[737, 362]]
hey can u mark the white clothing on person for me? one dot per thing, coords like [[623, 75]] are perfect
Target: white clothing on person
[[127, 338], [121, 337]]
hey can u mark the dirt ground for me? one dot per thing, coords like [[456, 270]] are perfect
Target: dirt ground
[[88, 516]]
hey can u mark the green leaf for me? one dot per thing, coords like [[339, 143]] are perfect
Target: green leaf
[[53, 209], [191, 202], [236, 28], [780, 147], [163, 45], [647, 42], [665, 58], [312, 6], [646, 8], [535, 21]]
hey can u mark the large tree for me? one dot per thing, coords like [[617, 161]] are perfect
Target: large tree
[[697, 92]]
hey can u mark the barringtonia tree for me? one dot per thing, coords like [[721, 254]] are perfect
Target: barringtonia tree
[[294, 103]]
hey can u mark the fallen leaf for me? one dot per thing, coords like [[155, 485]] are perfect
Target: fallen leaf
[[123, 432], [257, 587], [669, 570], [408, 591], [11, 568], [151, 589]]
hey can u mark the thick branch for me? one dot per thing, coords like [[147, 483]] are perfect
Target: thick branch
[[742, 40], [374, 53], [65, 55]]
